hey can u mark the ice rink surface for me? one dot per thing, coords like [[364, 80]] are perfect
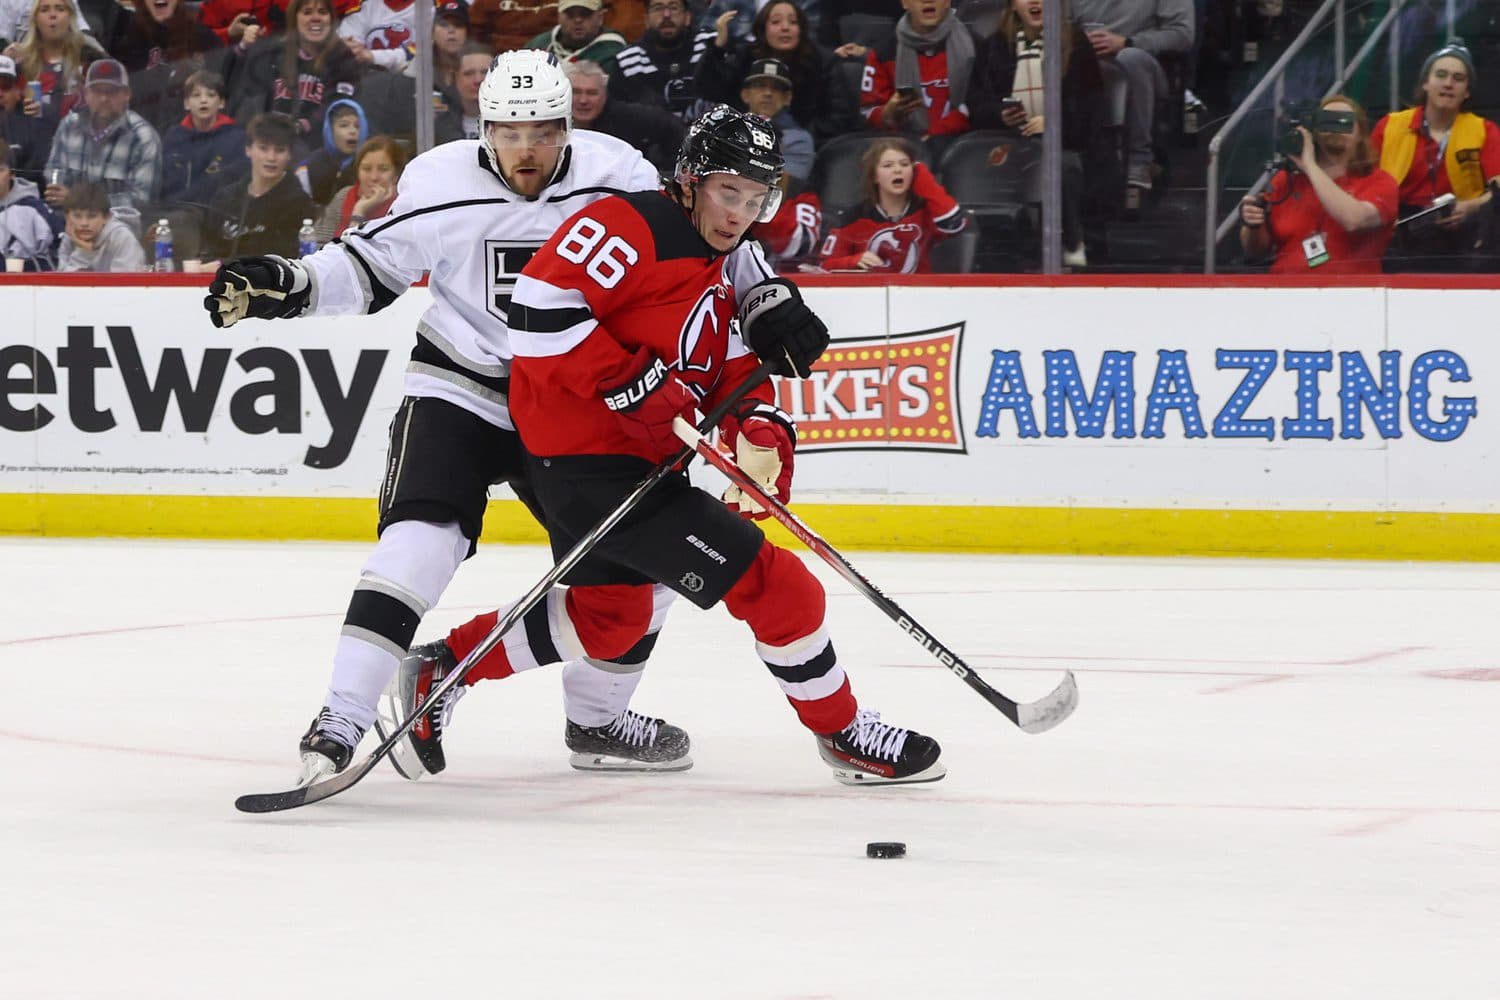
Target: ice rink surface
[[1280, 782]]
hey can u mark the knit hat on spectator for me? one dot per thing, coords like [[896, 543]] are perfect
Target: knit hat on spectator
[[8, 68], [1454, 49], [769, 69], [455, 11], [108, 73]]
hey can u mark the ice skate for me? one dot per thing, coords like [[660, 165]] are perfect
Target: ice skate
[[871, 752], [632, 742], [327, 746], [420, 751]]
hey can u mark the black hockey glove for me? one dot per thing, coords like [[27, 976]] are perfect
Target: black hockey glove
[[779, 327], [262, 287]]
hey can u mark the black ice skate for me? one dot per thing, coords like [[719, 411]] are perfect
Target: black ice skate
[[870, 752], [420, 751], [327, 746], [630, 743]]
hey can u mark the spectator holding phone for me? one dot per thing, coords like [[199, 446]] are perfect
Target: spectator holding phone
[[1439, 148], [1332, 210], [917, 82], [1008, 92], [905, 212], [241, 23], [300, 74]]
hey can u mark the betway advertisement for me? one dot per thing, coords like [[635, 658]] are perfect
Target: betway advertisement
[[1195, 397]]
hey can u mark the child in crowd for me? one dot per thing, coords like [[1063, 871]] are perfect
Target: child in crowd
[[95, 240], [262, 213], [28, 228], [905, 212], [200, 154], [206, 149], [378, 165], [332, 167]]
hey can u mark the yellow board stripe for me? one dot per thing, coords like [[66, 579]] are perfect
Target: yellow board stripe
[[1031, 530]]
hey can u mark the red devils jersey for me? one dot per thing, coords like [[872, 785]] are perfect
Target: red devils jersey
[[902, 244], [626, 273], [793, 233], [879, 83]]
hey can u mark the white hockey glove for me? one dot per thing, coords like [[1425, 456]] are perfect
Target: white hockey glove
[[269, 287], [764, 440]]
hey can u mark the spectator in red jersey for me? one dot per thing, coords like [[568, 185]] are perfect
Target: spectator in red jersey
[[1334, 213], [917, 81], [780, 31], [1440, 148], [242, 23], [790, 239], [55, 53], [301, 74], [904, 213]]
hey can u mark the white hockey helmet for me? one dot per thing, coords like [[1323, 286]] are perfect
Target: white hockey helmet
[[526, 85]]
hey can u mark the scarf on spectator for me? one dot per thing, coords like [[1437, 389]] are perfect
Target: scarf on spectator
[[1462, 158], [950, 34]]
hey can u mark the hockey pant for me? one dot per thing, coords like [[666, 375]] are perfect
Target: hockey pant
[[403, 578], [781, 601]]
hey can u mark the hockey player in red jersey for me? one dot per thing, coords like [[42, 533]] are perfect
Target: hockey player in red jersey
[[621, 323], [905, 212]]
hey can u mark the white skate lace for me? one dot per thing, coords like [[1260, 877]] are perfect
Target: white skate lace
[[445, 711], [635, 729], [337, 727], [870, 736]]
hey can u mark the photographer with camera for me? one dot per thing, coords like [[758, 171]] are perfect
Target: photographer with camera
[[1447, 162], [1330, 207]]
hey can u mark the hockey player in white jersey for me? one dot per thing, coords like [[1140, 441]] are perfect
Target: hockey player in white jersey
[[470, 213]]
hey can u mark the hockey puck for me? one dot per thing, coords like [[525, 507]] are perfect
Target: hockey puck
[[885, 849]]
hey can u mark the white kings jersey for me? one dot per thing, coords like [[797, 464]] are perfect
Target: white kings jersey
[[457, 221]]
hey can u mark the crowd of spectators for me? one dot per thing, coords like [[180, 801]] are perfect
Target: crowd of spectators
[[239, 123]]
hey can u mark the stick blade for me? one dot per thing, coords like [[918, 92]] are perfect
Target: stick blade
[[1044, 713], [270, 802]]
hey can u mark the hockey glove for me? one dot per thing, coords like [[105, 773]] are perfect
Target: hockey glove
[[262, 287], [779, 327], [648, 402], [763, 439]]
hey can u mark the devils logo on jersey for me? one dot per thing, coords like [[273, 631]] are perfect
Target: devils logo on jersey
[[388, 36], [703, 343], [898, 246]]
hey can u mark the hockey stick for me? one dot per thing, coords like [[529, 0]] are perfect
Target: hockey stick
[[316, 792], [1033, 717]]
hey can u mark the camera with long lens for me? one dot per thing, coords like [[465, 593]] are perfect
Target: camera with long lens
[[1312, 118]]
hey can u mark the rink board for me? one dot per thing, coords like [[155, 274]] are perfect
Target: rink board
[[1205, 416]]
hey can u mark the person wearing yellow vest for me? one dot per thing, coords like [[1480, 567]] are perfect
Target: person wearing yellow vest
[[1438, 148]]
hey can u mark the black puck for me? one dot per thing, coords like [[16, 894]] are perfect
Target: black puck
[[885, 849]]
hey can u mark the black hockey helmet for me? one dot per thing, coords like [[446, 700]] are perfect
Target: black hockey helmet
[[727, 141]]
